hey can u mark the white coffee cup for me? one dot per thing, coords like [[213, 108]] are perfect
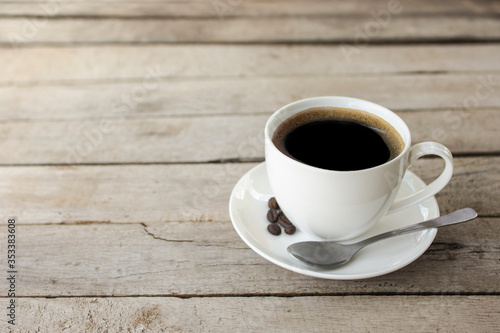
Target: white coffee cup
[[340, 205]]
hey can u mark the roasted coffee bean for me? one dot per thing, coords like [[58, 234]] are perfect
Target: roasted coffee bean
[[274, 229], [283, 220], [272, 215], [282, 223], [290, 229], [272, 203]]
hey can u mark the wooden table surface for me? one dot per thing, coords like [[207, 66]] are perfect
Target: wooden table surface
[[124, 126]]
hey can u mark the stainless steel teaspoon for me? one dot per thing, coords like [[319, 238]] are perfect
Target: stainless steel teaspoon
[[329, 254]]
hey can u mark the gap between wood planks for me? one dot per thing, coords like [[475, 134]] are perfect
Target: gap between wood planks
[[208, 17], [407, 41], [284, 295], [236, 160], [146, 225], [200, 10], [379, 42], [222, 114], [283, 8]]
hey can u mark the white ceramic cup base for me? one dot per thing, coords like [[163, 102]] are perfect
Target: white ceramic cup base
[[341, 205]]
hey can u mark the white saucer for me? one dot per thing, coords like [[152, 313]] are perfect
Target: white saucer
[[248, 209]]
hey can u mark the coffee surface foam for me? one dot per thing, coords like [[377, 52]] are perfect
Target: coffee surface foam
[[389, 134]]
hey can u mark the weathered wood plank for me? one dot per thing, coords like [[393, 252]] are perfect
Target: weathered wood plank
[[203, 139], [248, 95], [194, 258], [18, 31], [200, 192], [240, 8], [41, 65], [242, 314]]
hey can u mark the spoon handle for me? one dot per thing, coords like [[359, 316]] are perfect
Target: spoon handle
[[458, 216]]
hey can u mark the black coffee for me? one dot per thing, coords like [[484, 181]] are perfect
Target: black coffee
[[338, 139]]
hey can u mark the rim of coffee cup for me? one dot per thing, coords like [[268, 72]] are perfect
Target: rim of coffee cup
[[346, 102]]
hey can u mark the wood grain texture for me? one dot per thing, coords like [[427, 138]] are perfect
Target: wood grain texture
[[250, 95], [207, 259], [45, 65], [185, 139], [236, 8], [184, 192], [19, 31], [276, 314]]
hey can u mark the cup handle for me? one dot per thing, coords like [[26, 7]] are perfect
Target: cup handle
[[417, 151]]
